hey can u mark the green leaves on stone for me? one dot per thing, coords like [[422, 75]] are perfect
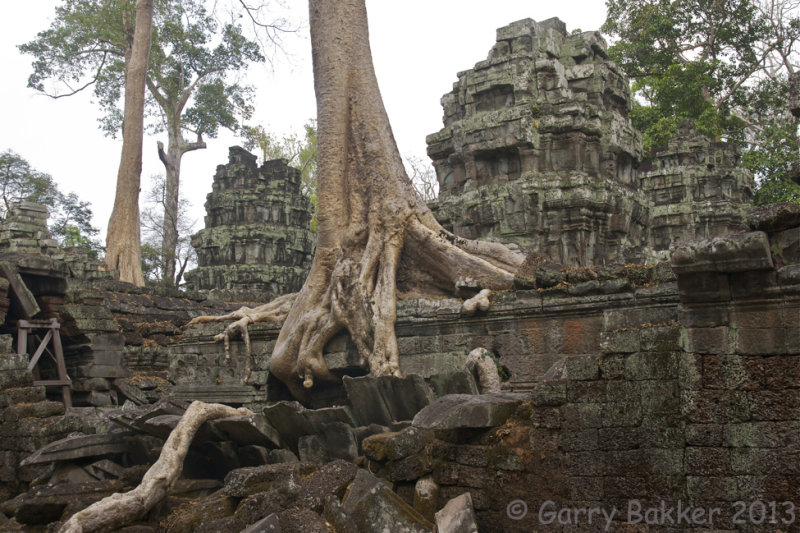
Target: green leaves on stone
[[723, 64], [70, 218]]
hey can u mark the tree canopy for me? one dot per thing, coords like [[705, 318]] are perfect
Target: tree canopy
[[191, 59], [193, 76], [723, 64], [70, 219]]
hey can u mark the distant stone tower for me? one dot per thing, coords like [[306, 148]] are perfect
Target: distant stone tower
[[696, 189], [537, 148], [257, 236]]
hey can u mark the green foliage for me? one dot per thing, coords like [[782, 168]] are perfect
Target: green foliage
[[723, 64], [19, 181], [298, 152], [70, 219], [151, 263], [192, 60]]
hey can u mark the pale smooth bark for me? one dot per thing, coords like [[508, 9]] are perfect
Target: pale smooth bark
[[376, 239], [171, 158], [119, 509], [123, 244]]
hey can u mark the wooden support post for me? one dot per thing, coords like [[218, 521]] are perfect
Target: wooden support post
[[53, 334]]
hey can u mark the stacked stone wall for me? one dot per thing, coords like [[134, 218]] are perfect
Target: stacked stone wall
[[696, 189], [538, 150], [257, 237], [29, 420], [692, 405]]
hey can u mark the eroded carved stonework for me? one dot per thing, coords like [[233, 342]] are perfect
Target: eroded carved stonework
[[257, 235], [538, 149]]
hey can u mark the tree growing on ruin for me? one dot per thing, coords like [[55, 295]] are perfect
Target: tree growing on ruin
[[70, 221], [155, 202], [376, 239], [192, 78], [724, 64], [123, 241]]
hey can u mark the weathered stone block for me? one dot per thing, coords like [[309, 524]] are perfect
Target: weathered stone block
[[394, 446], [731, 253], [312, 449], [457, 516], [374, 507], [251, 480], [460, 411]]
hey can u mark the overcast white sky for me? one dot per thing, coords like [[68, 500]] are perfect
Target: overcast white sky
[[418, 47]]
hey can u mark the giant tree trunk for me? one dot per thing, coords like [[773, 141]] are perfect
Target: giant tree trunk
[[123, 246], [375, 237], [176, 147]]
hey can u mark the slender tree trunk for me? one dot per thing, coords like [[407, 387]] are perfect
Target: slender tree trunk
[[176, 147], [123, 245], [172, 165], [375, 236]]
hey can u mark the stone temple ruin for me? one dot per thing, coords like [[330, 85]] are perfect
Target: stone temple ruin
[[257, 235], [649, 351], [537, 149]]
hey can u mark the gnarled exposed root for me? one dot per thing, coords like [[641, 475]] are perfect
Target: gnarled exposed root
[[113, 512], [274, 311], [359, 294], [372, 227]]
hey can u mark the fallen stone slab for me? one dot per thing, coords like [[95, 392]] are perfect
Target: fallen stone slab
[[21, 295], [312, 449], [188, 517], [252, 479], [281, 495], [289, 420], [337, 517], [269, 524], [387, 399], [302, 521], [457, 516], [466, 411], [79, 447], [458, 382], [367, 401], [105, 469], [137, 417], [247, 430], [282, 456], [396, 445], [162, 425], [331, 479], [253, 455], [375, 508], [319, 418], [406, 396], [43, 505], [340, 440]]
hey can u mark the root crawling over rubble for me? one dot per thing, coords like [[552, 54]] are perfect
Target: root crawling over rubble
[[118, 509]]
